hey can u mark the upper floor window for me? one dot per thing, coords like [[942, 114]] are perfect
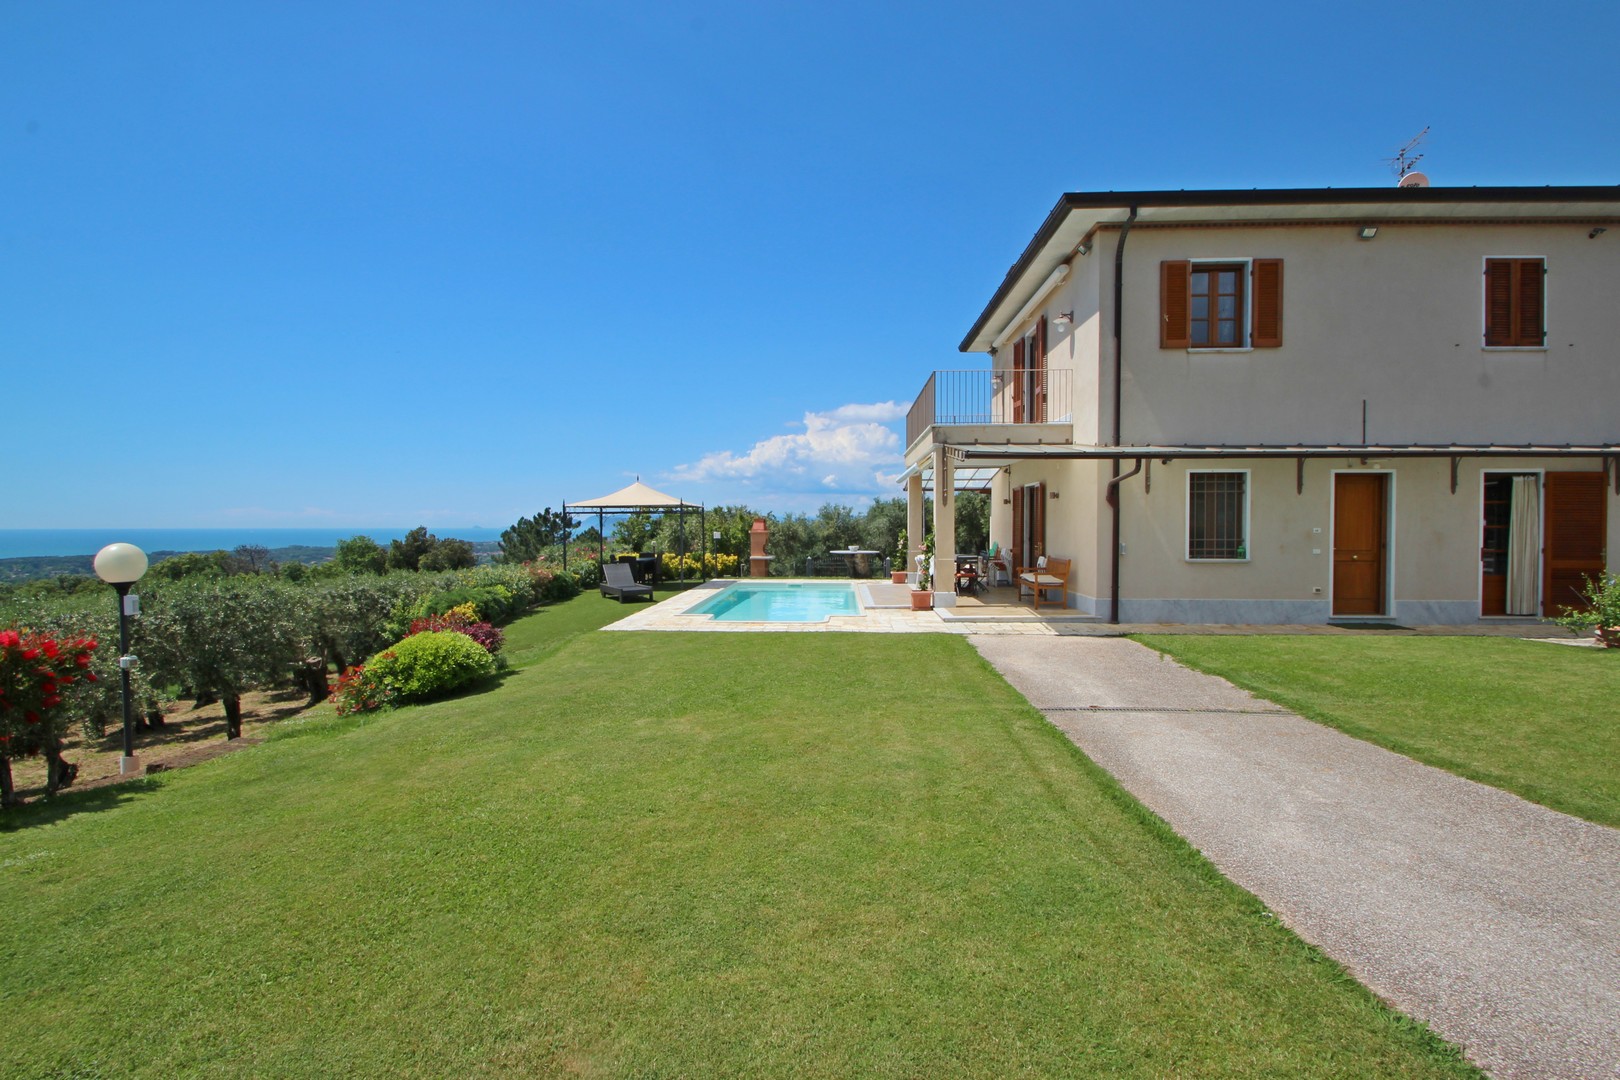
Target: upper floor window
[[1215, 315], [1515, 303], [1029, 376], [1211, 304]]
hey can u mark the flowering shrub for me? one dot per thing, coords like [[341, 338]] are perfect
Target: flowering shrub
[[550, 583], [712, 564], [492, 603], [358, 690], [428, 664], [457, 621], [35, 669]]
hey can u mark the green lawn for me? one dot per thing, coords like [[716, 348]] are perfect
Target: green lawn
[[1532, 718], [662, 855]]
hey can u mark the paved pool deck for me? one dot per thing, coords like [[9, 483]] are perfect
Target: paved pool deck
[[888, 611]]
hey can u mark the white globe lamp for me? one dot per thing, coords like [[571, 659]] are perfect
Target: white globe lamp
[[121, 565]]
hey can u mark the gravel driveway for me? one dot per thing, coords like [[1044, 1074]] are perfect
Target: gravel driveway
[[1494, 920]]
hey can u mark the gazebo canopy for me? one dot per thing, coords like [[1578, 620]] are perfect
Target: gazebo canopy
[[637, 496]]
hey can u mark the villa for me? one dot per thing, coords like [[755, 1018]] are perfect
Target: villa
[[1295, 406]]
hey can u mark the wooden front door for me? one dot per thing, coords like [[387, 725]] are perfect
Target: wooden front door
[[1574, 537], [1360, 540]]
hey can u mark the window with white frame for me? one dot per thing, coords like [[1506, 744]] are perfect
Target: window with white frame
[[1217, 516], [1220, 305]]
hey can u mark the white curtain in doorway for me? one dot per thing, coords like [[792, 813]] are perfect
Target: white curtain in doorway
[[1524, 547]]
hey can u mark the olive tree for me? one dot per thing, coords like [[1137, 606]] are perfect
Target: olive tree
[[226, 636]]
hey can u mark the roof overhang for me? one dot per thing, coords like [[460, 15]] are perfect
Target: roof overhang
[[978, 455], [1078, 214]]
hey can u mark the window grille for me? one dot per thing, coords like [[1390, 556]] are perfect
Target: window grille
[[1215, 512]]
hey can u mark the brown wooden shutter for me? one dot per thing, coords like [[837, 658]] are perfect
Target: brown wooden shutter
[[1038, 362], [1018, 382], [1499, 302], [1020, 558], [1574, 538], [1268, 281], [1530, 292], [1174, 332]]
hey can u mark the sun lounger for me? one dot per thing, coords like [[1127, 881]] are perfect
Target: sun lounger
[[620, 583]]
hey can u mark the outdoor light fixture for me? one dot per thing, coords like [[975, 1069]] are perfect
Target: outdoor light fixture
[[1082, 248], [1367, 232], [121, 566], [1065, 319], [1597, 232]]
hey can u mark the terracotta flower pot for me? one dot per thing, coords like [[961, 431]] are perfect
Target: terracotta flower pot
[[1609, 636], [921, 600], [898, 577]]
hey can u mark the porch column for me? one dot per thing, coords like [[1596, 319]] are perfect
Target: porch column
[[914, 519], [944, 528]]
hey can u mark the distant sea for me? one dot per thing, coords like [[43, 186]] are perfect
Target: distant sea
[[25, 543]]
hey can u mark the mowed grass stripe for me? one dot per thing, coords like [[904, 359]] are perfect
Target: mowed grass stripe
[[1525, 716], [683, 855]]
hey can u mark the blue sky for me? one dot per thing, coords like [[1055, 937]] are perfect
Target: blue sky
[[334, 264]]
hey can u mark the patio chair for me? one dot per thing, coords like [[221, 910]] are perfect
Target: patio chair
[[618, 581], [969, 579], [1044, 576]]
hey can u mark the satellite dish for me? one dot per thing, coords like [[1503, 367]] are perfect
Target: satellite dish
[[1414, 179]]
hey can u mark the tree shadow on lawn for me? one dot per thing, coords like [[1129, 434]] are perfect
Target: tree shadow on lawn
[[65, 804]]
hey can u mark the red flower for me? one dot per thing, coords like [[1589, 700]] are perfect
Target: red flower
[[9, 639], [50, 648], [90, 676], [30, 654], [31, 716]]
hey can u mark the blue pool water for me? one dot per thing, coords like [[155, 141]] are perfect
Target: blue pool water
[[780, 602]]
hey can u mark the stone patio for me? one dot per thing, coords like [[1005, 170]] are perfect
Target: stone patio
[[998, 612]]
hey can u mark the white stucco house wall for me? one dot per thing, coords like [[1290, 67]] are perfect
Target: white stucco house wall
[[1297, 406]]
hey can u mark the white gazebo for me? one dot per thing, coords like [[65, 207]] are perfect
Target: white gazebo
[[636, 498]]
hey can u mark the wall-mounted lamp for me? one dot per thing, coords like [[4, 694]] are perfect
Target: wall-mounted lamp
[[1597, 232], [1064, 320], [1051, 494], [1082, 248], [1367, 232]]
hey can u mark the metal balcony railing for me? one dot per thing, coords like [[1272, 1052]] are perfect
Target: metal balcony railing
[[1002, 396]]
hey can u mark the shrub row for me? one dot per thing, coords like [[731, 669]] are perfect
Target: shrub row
[[224, 636]]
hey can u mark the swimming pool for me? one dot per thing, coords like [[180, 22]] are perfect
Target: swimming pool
[[780, 601]]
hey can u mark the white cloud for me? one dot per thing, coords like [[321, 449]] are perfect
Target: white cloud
[[851, 449]]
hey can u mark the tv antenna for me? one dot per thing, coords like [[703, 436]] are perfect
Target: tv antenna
[[1404, 160]]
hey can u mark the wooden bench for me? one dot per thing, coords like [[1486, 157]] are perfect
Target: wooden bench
[[1054, 575]]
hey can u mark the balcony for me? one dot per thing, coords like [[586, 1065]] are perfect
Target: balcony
[[1016, 402]]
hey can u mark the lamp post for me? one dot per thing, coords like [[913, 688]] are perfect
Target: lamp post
[[121, 565]]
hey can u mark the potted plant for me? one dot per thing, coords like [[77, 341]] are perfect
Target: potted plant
[[922, 597], [898, 575], [1601, 613]]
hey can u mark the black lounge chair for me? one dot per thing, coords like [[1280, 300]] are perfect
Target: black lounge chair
[[619, 582]]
